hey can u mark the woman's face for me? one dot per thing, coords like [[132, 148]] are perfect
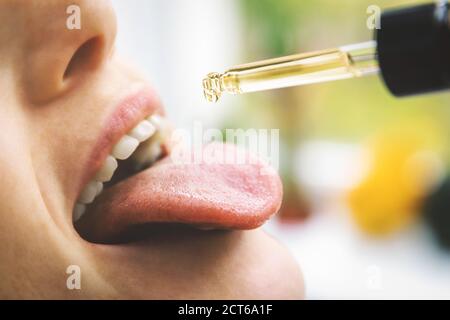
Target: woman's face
[[66, 103]]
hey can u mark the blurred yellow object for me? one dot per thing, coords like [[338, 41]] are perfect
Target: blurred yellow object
[[403, 165]]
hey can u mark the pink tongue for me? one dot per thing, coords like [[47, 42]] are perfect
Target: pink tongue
[[218, 195]]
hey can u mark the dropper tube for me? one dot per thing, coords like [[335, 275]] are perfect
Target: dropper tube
[[411, 52], [328, 65]]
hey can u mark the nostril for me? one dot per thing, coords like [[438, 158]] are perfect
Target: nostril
[[87, 57]]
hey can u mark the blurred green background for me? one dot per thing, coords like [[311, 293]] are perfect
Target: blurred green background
[[351, 109]]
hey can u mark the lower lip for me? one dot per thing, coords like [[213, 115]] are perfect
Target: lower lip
[[125, 116]]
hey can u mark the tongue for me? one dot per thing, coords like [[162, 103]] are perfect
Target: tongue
[[210, 194]]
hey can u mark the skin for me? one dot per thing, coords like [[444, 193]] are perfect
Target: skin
[[50, 120]]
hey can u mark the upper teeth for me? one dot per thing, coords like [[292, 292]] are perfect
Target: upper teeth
[[153, 127], [125, 147], [90, 192], [144, 130], [107, 170]]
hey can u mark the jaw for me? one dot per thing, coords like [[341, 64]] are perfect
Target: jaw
[[173, 262], [183, 263]]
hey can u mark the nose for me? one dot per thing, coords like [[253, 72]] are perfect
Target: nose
[[65, 44]]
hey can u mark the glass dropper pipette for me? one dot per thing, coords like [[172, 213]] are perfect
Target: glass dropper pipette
[[411, 51], [341, 63]]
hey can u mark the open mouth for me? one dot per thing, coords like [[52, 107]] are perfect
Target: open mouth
[[138, 184]]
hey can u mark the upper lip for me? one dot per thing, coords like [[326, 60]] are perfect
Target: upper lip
[[128, 113]]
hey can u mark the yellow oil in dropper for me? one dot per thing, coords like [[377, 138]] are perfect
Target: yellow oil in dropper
[[328, 65]]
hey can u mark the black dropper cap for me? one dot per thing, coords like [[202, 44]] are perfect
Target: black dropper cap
[[414, 49]]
